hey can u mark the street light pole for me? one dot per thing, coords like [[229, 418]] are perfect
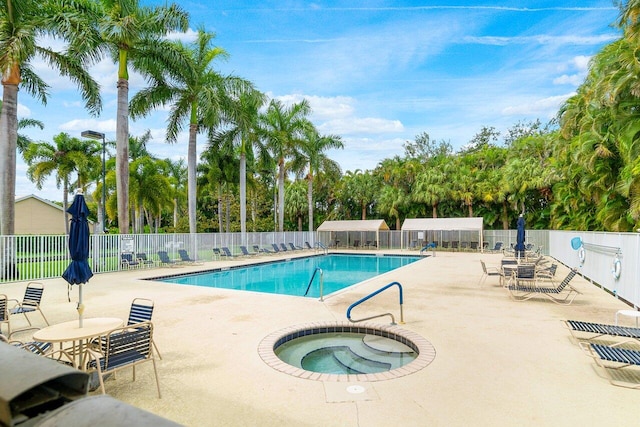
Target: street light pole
[[99, 135]]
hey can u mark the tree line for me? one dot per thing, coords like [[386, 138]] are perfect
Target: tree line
[[265, 166]]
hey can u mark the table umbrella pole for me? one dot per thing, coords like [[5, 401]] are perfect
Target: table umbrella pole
[[80, 305]]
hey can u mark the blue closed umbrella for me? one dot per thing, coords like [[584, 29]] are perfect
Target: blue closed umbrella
[[520, 237], [78, 272]]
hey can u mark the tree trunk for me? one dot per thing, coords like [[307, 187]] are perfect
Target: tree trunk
[[243, 195], [220, 207], [191, 177], [299, 222], [281, 195], [8, 143], [434, 210], [65, 204], [470, 210], [122, 155], [364, 211], [175, 213], [505, 216], [310, 200]]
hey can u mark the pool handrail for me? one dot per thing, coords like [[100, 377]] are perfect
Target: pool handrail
[[371, 295], [321, 245], [321, 282]]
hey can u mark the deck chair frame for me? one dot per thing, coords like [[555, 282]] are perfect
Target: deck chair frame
[[613, 359], [124, 347], [563, 294], [30, 303]]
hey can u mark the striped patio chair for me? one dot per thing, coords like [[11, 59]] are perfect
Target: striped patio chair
[[30, 303], [141, 311]]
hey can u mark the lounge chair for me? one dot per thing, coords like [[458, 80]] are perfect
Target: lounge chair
[[144, 260], [185, 258], [226, 252], [283, 247], [356, 244], [276, 249], [497, 247], [128, 261], [141, 311], [258, 249], [123, 347], [294, 247], [246, 252], [216, 253], [613, 358], [30, 303], [597, 330], [307, 246], [523, 293], [166, 261], [489, 271]]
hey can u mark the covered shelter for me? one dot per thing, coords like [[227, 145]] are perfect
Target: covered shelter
[[454, 233], [352, 233]]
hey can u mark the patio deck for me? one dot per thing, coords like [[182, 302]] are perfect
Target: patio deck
[[498, 362]]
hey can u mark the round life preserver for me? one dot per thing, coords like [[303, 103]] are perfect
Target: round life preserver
[[616, 268], [581, 255]]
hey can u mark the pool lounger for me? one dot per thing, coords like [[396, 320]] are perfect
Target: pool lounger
[[600, 329], [613, 360]]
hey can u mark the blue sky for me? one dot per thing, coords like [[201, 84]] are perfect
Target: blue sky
[[377, 73]]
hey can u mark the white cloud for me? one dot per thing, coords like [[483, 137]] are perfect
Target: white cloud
[[354, 125], [573, 79], [79, 125], [23, 111], [547, 107]]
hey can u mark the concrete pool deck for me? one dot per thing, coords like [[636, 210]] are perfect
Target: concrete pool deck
[[498, 362]]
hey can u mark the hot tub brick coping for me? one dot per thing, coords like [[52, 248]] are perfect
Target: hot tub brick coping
[[426, 351]]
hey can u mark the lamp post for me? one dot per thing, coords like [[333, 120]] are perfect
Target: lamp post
[[91, 134]]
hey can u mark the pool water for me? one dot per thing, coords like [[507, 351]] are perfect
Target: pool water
[[292, 277], [345, 353]]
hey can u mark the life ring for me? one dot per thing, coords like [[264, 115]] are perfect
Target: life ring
[[581, 255], [616, 268]]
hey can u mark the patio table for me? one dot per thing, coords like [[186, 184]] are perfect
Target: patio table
[[80, 337]]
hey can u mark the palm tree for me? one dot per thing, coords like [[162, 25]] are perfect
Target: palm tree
[[150, 190], [283, 129], [296, 201], [313, 159], [241, 132], [65, 156], [176, 171], [199, 96], [133, 34], [22, 25]]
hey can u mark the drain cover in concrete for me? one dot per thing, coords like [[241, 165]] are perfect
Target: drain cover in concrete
[[349, 392]]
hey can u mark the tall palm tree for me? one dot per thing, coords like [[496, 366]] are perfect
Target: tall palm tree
[[62, 158], [134, 36], [199, 96], [241, 131], [23, 23], [283, 130], [176, 171], [313, 159]]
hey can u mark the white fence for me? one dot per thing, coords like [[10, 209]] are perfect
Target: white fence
[[42, 257]]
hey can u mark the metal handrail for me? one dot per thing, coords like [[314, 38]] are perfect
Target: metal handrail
[[361, 300], [321, 282], [602, 248], [320, 245]]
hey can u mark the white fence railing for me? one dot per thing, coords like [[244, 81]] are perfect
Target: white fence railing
[[42, 257]]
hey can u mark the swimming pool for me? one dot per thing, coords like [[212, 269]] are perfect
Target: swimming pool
[[291, 277]]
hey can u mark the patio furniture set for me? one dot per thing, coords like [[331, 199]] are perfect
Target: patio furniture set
[[102, 345]]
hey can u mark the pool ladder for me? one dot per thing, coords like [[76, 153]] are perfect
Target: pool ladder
[[321, 282], [320, 245], [361, 300]]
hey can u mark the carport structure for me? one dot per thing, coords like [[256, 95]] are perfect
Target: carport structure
[[454, 233], [352, 233]]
